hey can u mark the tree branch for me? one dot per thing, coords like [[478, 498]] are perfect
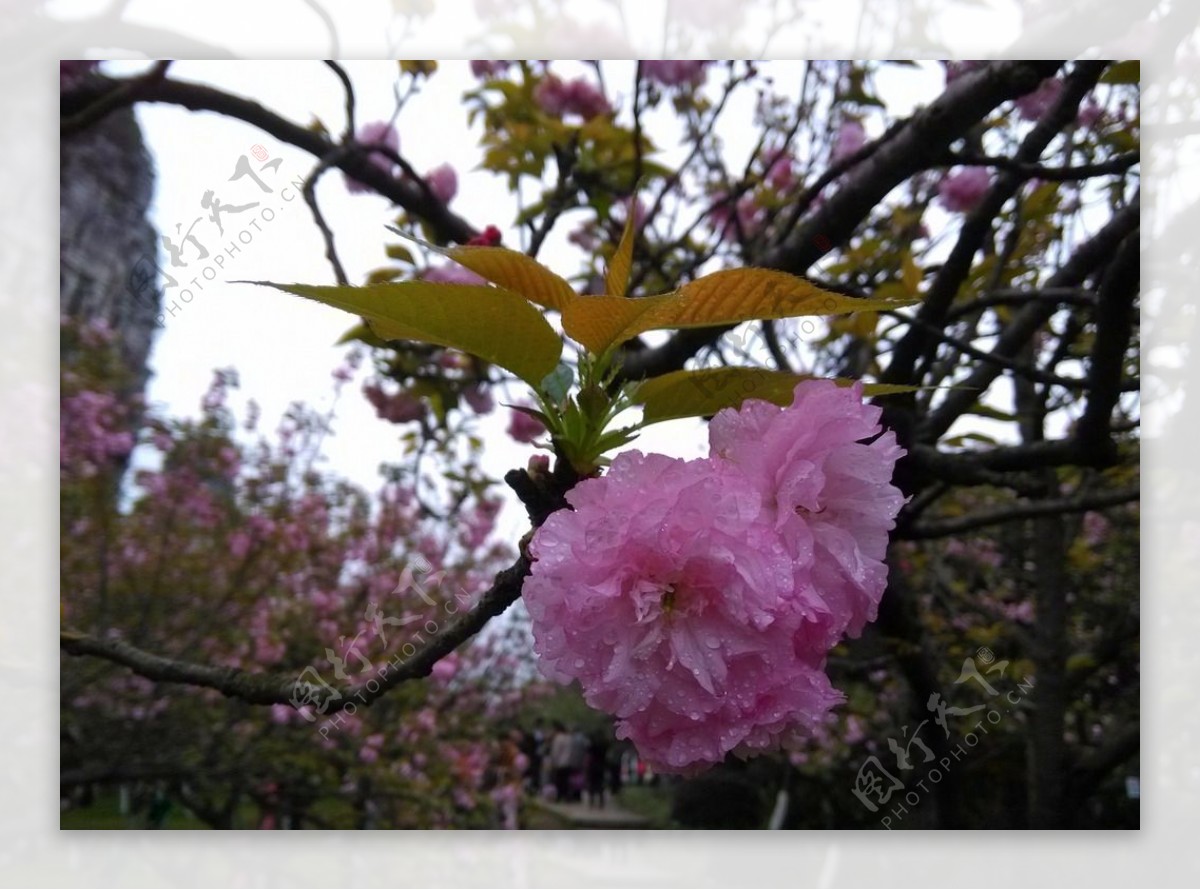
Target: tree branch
[[918, 342], [310, 197], [940, 528], [1086, 258], [274, 689], [1114, 329], [542, 497], [906, 152], [413, 196], [1119, 164]]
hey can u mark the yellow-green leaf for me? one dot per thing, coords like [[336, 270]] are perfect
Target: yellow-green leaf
[[910, 274], [509, 269], [490, 322], [1128, 72], [705, 392], [361, 333], [516, 272], [400, 252], [599, 322], [387, 273], [722, 298], [621, 263]]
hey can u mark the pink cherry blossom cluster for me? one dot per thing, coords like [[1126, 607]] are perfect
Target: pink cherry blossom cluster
[[93, 433], [696, 601], [734, 220], [849, 139], [779, 170], [580, 97], [394, 407], [442, 179], [488, 68], [676, 72], [443, 182], [1033, 105], [961, 190]]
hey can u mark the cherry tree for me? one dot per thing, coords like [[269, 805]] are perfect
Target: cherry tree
[[833, 572]]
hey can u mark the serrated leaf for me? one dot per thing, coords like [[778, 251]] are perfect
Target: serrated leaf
[[705, 392], [617, 279], [490, 322], [387, 273], [517, 272], [1126, 72], [722, 298], [508, 269], [400, 252]]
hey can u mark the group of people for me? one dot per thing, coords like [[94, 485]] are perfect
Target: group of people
[[568, 765], [572, 766]]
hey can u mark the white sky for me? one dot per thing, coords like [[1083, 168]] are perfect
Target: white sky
[[282, 346]]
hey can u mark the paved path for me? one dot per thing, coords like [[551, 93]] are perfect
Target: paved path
[[582, 816]]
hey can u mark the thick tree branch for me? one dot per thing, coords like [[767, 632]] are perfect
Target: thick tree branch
[[1114, 329], [1066, 296], [274, 689], [936, 303], [411, 195], [1093, 500], [905, 151], [542, 497], [1085, 260]]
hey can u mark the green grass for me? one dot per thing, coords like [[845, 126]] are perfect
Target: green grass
[[105, 814]]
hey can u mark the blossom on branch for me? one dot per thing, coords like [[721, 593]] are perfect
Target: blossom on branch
[[559, 98], [676, 72], [962, 190], [443, 182], [376, 133], [696, 601]]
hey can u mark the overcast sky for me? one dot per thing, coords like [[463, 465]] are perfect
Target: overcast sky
[[283, 347]]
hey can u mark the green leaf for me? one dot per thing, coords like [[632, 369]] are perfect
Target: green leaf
[[703, 393], [558, 382], [722, 298], [490, 322], [1126, 72]]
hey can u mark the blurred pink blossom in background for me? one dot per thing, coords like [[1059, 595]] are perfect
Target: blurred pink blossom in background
[[961, 190], [379, 133]]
